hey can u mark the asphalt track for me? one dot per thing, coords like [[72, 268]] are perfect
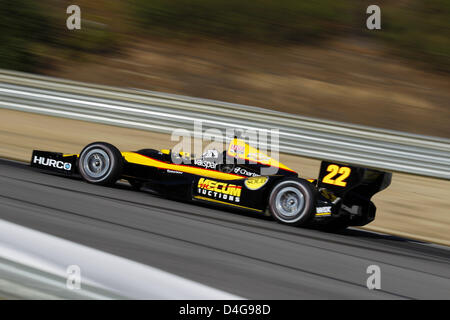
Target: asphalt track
[[244, 254]]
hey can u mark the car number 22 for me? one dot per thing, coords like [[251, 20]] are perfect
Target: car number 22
[[337, 175]]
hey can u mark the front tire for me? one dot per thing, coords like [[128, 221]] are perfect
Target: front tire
[[292, 201], [100, 163]]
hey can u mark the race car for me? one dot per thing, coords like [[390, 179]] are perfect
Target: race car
[[235, 178]]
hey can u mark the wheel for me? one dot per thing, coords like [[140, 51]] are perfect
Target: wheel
[[100, 163], [292, 201]]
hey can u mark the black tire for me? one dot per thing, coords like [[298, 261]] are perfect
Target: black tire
[[100, 163], [292, 201]]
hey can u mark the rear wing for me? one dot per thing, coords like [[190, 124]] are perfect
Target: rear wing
[[344, 180]]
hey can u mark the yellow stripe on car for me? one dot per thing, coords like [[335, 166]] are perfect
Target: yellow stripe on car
[[137, 158]]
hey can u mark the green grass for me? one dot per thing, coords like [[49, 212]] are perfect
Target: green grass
[[21, 25], [420, 31], [233, 20], [417, 29]]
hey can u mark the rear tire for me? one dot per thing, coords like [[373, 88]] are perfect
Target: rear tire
[[292, 201], [100, 163]]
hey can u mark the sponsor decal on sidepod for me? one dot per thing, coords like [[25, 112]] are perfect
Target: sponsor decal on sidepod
[[219, 190], [255, 183]]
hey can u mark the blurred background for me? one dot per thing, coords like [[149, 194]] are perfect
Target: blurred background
[[314, 58]]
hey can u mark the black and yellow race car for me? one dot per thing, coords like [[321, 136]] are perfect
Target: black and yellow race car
[[234, 178]]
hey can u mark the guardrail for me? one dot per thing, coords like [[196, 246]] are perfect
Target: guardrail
[[304, 136]]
